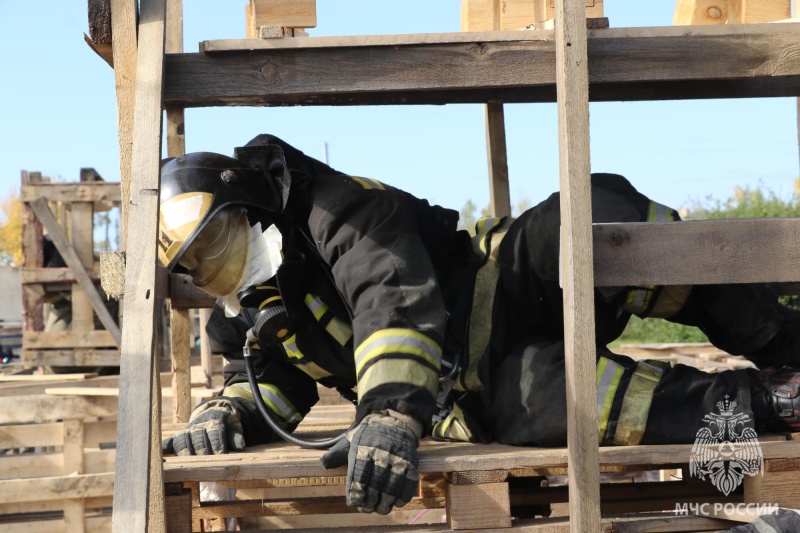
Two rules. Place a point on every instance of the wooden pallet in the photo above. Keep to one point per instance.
(281, 486)
(66, 211)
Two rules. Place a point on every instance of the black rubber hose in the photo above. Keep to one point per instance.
(262, 408)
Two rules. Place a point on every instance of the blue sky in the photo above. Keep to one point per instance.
(59, 114)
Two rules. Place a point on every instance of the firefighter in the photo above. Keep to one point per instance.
(357, 285)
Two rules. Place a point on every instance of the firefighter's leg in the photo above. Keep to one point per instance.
(638, 402)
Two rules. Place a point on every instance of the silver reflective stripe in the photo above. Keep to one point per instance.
(398, 341)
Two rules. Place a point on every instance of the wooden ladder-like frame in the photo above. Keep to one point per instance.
(627, 64)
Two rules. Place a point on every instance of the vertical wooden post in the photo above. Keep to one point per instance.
(74, 464)
(499, 196)
(179, 318)
(32, 257)
(205, 347)
(138, 486)
(82, 225)
(577, 277)
(796, 13)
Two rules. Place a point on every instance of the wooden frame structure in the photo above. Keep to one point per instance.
(72, 234)
(568, 65)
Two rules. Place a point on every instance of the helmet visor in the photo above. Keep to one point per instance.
(216, 256)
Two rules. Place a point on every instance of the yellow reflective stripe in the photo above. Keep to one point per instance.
(268, 300)
(316, 306)
(636, 403)
(290, 345)
(609, 375)
(660, 213)
(398, 341)
(638, 300)
(267, 287)
(398, 371)
(273, 397)
(338, 329)
(368, 183)
(313, 370)
(453, 427)
(300, 361)
(482, 228)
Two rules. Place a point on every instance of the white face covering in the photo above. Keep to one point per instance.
(263, 260)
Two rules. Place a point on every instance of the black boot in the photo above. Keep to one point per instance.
(783, 397)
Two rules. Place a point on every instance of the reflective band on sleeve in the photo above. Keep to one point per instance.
(300, 361)
(338, 329)
(396, 341)
(636, 403)
(369, 183)
(609, 374)
(273, 397)
(269, 301)
(398, 371)
(638, 300)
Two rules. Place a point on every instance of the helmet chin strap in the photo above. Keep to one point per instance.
(263, 259)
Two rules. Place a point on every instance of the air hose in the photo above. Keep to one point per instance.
(268, 417)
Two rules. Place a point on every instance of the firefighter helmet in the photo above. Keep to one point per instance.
(197, 187)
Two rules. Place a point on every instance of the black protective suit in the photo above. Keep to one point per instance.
(383, 294)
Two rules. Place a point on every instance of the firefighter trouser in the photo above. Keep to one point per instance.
(526, 391)
(644, 402)
(739, 319)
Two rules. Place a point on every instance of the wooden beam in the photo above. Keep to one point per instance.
(497, 156)
(54, 275)
(94, 191)
(186, 295)
(123, 39)
(138, 491)
(42, 408)
(708, 251)
(32, 257)
(74, 262)
(71, 357)
(572, 86)
(625, 64)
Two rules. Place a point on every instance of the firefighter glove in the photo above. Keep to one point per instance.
(214, 428)
(381, 458)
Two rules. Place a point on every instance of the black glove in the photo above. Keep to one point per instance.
(381, 458)
(213, 428)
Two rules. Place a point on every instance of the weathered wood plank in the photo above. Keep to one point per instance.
(34, 340)
(72, 357)
(42, 408)
(57, 487)
(138, 493)
(184, 294)
(709, 251)
(279, 461)
(572, 76)
(625, 64)
(499, 195)
(89, 191)
(54, 275)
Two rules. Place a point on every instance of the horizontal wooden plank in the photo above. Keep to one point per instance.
(32, 340)
(52, 505)
(184, 294)
(57, 487)
(71, 357)
(84, 191)
(697, 252)
(624, 64)
(195, 392)
(279, 461)
(30, 435)
(33, 465)
(93, 524)
(45, 377)
(43, 408)
(54, 275)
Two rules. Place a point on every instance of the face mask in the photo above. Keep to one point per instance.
(263, 260)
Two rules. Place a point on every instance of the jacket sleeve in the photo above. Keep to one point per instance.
(288, 392)
(372, 239)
